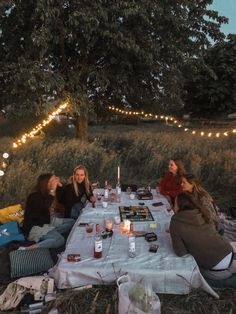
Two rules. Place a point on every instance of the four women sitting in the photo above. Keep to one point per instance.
(192, 227)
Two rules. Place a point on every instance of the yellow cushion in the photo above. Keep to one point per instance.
(12, 213)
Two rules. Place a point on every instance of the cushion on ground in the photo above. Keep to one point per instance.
(30, 262)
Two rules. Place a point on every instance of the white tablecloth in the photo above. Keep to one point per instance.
(167, 272)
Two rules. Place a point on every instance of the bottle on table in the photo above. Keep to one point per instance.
(118, 191)
(106, 190)
(131, 245)
(98, 247)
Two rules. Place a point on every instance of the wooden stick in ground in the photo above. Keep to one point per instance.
(93, 306)
(108, 309)
(115, 301)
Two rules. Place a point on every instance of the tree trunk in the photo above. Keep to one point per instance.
(82, 127)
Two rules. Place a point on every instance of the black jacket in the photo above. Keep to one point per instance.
(36, 211)
(66, 196)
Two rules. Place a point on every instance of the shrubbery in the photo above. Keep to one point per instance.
(143, 157)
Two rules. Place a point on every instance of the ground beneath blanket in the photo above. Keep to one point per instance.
(104, 300)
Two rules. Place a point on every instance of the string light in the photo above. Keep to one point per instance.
(174, 121)
(38, 128)
(5, 155)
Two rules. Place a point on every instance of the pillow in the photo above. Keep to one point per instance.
(12, 213)
(10, 232)
(29, 262)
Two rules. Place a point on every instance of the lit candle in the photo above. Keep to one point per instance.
(118, 173)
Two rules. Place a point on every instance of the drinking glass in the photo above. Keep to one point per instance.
(89, 228)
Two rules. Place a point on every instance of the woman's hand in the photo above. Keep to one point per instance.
(92, 199)
(53, 183)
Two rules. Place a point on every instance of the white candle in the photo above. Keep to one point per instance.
(118, 173)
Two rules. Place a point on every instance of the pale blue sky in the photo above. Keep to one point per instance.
(226, 8)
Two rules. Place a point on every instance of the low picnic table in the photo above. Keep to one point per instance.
(166, 272)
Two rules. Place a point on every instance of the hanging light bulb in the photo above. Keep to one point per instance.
(5, 155)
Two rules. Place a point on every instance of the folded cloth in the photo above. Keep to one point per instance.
(36, 232)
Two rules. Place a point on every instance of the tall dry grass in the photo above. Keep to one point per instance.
(142, 153)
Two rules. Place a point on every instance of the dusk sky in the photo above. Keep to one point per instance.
(226, 8)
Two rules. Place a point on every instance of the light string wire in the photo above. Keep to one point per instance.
(170, 119)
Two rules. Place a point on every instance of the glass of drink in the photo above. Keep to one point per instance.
(89, 228)
(108, 224)
(99, 196)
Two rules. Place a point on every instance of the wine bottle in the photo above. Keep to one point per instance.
(98, 247)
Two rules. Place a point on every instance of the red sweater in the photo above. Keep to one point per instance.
(170, 185)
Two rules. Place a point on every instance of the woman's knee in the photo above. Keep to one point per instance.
(52, 240)
(59, 241)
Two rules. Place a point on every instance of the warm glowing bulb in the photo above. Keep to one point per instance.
(202, 133)
(5, 155)
(14, 145)
(217, 134)
(1, 173)
(194, 132)
(209, 134)
(225, 134)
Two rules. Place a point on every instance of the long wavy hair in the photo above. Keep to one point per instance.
(42, 183)
(86, 180)
(186, 201)
(198, 189)
(180, 169)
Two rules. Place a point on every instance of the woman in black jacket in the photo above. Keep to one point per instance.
(37, 224)
(75, 194)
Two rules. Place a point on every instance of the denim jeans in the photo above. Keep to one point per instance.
(54, 238)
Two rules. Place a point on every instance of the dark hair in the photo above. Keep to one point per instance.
(186, 201)
(42, 183)
(180, 166)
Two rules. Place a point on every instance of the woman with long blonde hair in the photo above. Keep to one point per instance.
(75, 194)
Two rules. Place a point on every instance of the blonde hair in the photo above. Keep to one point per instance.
(86, 180)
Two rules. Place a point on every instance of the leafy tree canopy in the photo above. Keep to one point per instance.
(213, 90)
(99, 50)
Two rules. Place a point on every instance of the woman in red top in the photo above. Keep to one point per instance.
(170, 185)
